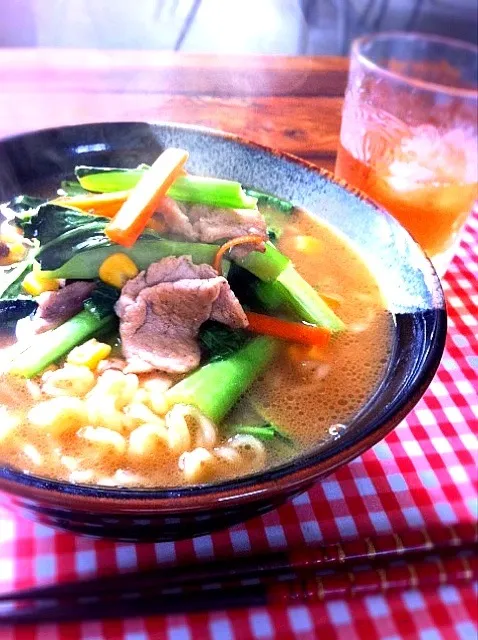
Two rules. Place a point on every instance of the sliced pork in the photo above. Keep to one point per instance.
(162, 309)
(56, 307)
(209, 224)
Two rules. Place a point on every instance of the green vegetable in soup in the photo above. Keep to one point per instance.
(80, 252)
(286, 283)
(266, 199)
(216, 387)
(299, 295)
(291, 291)
(268, 294)
(15, 303)
(23, 203)
(212, 192)
(266, 266)
(85, 253)
(96, 318)
(13, 310)
(11, 282)
(61, 232)
(219, 341)
(102, 300)
(73, 243)
(51, 221)
(85, 262)
(194, 189)
(267, 431)
(106, 179)
(58, 342)
(71, 189)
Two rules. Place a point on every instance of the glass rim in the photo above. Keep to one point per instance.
(357, 52)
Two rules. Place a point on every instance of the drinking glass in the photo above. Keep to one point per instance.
(409, 134)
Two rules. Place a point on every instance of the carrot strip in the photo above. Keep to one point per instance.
(106, 207)
(291, 331)
(144, 198)
(102, 204)
(234, 243)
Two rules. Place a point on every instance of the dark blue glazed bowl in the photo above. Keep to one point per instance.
(410, 286)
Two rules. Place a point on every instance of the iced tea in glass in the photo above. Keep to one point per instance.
(409, 135)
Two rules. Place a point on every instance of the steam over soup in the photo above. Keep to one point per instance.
(162, 329)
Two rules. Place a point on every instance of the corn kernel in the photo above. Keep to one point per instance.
(9, 233)
(89, 354)
(307, 244)
(34, 285)
(16, 252)
(117, 269)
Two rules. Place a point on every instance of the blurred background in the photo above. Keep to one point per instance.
(317, 27)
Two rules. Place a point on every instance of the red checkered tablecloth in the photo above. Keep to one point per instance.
(422, 474)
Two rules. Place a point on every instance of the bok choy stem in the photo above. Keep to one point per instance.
(272, 267)
(284, 283)
(84, 265)
(267, 265)
(211, 191)
(215, 388)
(54, 344)
(305, 301)
(195, 189)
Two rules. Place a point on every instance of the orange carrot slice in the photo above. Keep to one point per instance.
(144, 198)
(291, 331)
(106, 207)
(233, 243)
(102, 204)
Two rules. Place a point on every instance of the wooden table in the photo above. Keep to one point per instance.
(290, 103)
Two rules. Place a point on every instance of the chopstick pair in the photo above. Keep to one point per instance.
(277, 578)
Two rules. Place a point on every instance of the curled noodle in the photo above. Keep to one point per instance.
(188, 428)
(241, 455)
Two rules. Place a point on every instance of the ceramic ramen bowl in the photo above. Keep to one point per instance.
(409, 285)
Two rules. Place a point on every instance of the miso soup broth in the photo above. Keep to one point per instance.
(92, 416)
(309, 393)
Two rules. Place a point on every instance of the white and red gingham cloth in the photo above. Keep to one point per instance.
(422, 474)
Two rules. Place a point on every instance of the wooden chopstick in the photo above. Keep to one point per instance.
(430, 572)
(382, 547)
(386, 547)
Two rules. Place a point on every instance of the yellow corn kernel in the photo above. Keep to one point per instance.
(117, 269)
(10, 233)
(307, 244)
(34, 285)
(89, 354)
(16, 252)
